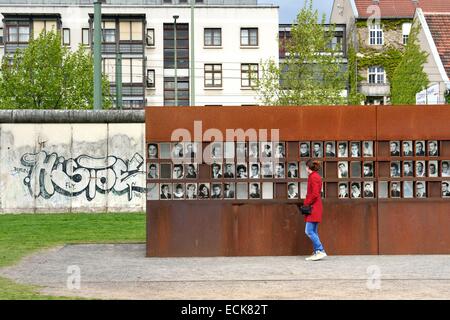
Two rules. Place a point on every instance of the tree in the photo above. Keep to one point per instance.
(313, 72)
(47, 75)
(409, 77)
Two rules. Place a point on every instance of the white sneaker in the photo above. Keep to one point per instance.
(318, 256)
(311, 257)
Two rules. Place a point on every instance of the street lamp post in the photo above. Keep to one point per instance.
(192, 55)
(175, 17)
(98, 99)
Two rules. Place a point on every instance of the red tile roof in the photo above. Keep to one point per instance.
(401, 8)
(439, 28)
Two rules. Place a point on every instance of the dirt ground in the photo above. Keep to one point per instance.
(123, 272)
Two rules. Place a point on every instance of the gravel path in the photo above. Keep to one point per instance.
(123, 272)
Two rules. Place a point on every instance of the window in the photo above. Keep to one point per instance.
(66, 37)
(183, 91)
(108, 31)
(132, 70)
(18, 33)
(109, 69)
(376, 35)
(213, 75)
(150, 38)
(131, 31)
(376, 75)
(150, 78)
(1, 35)
(249, 36)
(182, 46)
(85, 36)
(406, 30)
(249, 75)
(45, 26)
(213, 37)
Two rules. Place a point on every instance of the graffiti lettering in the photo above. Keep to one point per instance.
(50, 173)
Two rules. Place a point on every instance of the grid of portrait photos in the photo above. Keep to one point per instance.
(415, 170)
(277, 170)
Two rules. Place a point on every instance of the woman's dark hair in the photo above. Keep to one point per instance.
(313, 165)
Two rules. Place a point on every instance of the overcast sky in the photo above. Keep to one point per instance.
(290, 8)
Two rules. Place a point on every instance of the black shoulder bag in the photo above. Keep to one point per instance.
(305, 210)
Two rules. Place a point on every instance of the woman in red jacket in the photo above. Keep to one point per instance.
(314, 199)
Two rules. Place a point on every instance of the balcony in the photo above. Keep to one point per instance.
(375, 89)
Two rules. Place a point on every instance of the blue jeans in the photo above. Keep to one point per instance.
(311, 232)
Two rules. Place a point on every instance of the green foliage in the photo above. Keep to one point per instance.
(354, 97)
(313, 71)
(447, 96)
(47, 75)
(389, 58)
(409, 77)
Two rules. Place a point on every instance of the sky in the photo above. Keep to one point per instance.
(290, 8)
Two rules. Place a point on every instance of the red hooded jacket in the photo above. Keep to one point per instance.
(314, 198)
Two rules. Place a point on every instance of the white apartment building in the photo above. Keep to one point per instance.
(231, 39)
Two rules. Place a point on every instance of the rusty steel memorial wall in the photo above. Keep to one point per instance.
(225, 181)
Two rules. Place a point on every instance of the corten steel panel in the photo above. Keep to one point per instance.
(294, 123)
(414, 227)
(413, 122)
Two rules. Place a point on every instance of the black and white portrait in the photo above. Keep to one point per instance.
(153, 151)
(254, 170)
(445, 169)
(446, 189)
(253, 152)
(421, 169)
(407, 149)
(267, 170)
(343, 190)
(177, 150)
(216, 149)
(292, 190)
(395, 169)
(216, 191)
(420, 148)
(394, 148)
(395, 190)
(241, 171)
(355, 190)
(355, 149)
(241, 151)
(191, 170)
(191, 191)
(342, 169)
(229, 171)
(433, 148)
(368, 191)
(368, 149)
(152, 172)
(178, 191)
(255, 190)
(280, 150)
(216, 170)
(178, 171)
(317, 151)
(292, 170)
(433, 169)
(421, 189)
(408, 189)
(229, 190)
(342, 149)
(408, 170)
(166, 191)
(191, 149)
(204, 191)
(279, 170)
(266, 150)
(305, 149)
(368, 169)
(330, 149)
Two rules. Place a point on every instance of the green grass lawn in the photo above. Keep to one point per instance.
(21, 235)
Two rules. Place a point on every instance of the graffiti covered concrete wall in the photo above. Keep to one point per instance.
(72, 167)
